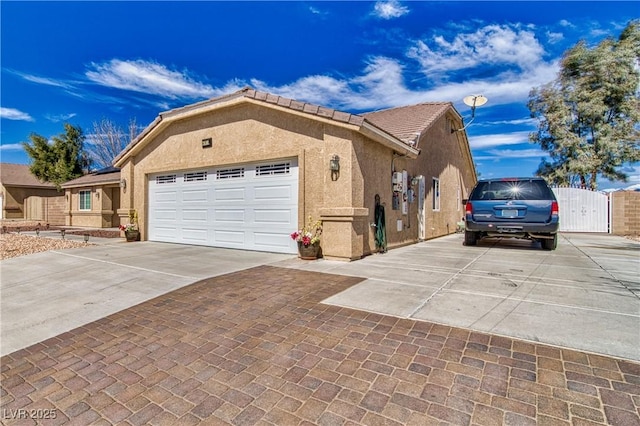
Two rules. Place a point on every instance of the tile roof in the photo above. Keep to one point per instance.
(20, 175)
(269, 98)
(95, 179)
(407, 122)
(400, 124)
(308, 108)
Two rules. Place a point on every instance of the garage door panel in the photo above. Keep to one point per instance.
(195, 235)
(190, 215)
(165, 214)
(166, 196)
(252, 207)
(273, 193)
(271, 240)
(194, 196)
(166, 233)
(229, 237)
(229, 194)
(270, 216)
(234, 216)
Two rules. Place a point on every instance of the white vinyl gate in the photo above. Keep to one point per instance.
(582, 210)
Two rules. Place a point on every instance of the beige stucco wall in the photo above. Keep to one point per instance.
(13, 198)
(249, 133)
(104, 205)
(444, 156)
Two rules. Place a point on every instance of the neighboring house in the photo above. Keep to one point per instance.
(93, 200)
(24, 197)
(247, 169)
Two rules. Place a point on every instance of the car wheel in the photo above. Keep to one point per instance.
(550, 244)
(470, 238)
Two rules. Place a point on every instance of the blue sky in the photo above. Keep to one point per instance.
(80, 62)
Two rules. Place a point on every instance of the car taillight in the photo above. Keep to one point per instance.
(468, 208)
(554, 208)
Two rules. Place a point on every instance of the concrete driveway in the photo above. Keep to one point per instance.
(48, 293)
(584, 295)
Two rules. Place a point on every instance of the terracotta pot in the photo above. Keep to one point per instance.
(309, 252)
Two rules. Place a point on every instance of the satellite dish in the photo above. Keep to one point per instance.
(472, 101)
(475, 100)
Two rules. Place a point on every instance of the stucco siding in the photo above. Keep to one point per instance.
(14, 199)
(245, 133)
(242, 134)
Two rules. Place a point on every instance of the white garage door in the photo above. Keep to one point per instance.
(252, 207)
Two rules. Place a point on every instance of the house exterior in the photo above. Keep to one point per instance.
(24, 197)
(247, 169)
(93, 200)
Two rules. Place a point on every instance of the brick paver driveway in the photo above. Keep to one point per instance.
(257, 347)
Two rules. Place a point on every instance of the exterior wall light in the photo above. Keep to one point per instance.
(123, 183)
(334, 166)
(334, 163)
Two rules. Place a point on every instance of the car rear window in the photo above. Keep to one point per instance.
(512, 190)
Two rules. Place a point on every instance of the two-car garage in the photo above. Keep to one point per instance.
(244, 206)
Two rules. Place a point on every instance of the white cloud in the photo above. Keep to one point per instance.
(489, 45)
(565, 23)
(14, 114)
(11, 147)
(518, 153)
(389, 9)
(148, 77)
(487, 141)
(60, 117)
(554, 37)
(45, 81)
(514, 122)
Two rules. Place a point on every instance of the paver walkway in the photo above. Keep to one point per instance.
(257, 347)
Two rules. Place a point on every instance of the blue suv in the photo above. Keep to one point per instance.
(512, 208)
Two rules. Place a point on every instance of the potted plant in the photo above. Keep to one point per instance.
(308, 239)
(131, 231)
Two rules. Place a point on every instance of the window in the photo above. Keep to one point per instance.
(230, 173)
(273, 169)
(195, 176)
(165, 179)
(435, 190)
(85, 200)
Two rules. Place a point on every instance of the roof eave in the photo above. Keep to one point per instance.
(90, 184)
(385, 139)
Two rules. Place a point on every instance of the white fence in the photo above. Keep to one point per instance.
(582, 210)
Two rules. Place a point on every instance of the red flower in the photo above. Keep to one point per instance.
(306, 240)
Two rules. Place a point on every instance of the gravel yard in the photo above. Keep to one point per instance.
(14, 245)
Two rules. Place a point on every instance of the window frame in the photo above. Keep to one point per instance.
(435, 194)
(84, 195)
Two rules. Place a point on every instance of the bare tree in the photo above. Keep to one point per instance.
(108, 140)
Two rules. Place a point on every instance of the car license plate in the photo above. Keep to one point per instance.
(509, 213)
